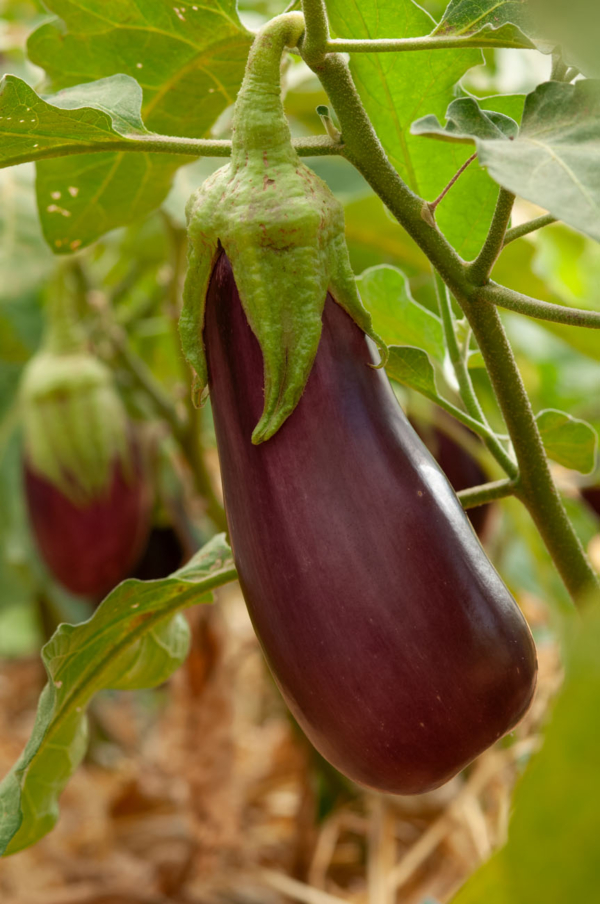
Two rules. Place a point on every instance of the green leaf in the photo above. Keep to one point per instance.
(135, 639)
(554, 161)
(568, 440)
(189, 61)
(103, 111)
(493, 22)
(552, 851)
(412, 367)
(465, 122)
(77, 200)
(397, 317)
(396, 89)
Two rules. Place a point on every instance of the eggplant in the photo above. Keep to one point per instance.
(91, 546)
(462, 470)
(393, 640)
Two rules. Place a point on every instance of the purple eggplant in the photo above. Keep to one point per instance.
(459, 466)
(592, 497)
(393, 640)
(90, 548)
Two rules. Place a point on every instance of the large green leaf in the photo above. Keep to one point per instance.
(553, 161)
(135, 639)
(189, 61)
(552, 851)
(397, 317)
(398, 88)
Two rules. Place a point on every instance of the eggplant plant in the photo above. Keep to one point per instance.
(396, 644)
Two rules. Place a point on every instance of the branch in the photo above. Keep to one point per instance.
(481, 267)
(311, 146)
(532, 307)
(487, 492)
(467, 391)
(427, 42)
(316, 35)
(536, 488)
(530, 226)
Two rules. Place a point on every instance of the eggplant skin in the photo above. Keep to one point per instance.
(461, 469)
(393, 640)
(90, 549)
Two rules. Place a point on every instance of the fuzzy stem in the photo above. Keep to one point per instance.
(487, 492)
(63, 335)
(316, 38)
(259, 123)
(530, 226)
(310, 146)
(427, 42)
(533, 307)
(480, 269)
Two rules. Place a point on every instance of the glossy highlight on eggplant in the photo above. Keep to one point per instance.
(393, 640)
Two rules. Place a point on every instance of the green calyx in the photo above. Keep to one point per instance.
(74, 423)
(283, 232)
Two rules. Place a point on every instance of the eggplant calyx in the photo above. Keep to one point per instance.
(283, 232)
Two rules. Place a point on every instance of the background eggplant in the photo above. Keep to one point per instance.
(392, 638)
(92, 546)
(592, 497)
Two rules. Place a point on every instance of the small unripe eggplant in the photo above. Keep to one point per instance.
(87, 491)
(393, 640)
(90, 546)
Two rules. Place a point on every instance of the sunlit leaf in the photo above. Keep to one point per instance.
(398, 88)
(397, 317)
(412, 367)
(189, 61)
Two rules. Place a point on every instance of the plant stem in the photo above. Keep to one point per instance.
(480, 269)
(428, 42)
(487, 492)
(311, 146)
(316, 35)
(467, 390)
(530, 226)
(362, 148)
(533, 307)
(536, 488)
